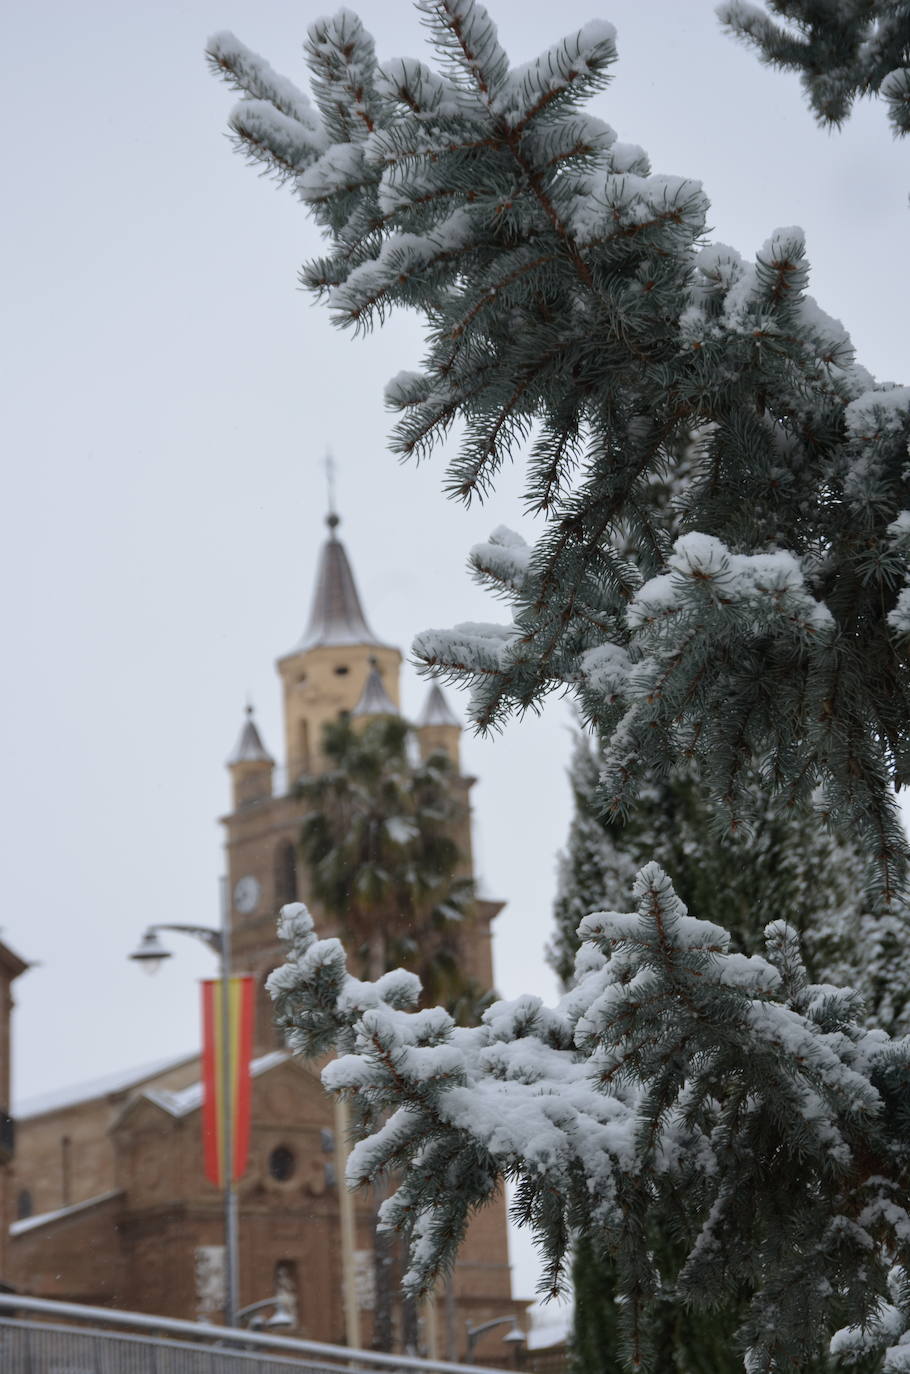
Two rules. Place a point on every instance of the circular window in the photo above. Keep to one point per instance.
(341, 670)
(282, 1163)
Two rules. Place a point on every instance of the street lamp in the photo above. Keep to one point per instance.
(280, 1320)
(475, 1332)
(151, 953)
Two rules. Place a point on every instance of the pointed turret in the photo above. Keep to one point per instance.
(325, 675)
(438, 727)
(251, 765)
(336, 615)
(374, 699)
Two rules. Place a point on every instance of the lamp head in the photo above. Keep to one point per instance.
(151, 953)
(281, 1319)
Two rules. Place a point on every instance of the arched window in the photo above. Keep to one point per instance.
(282, 1163)
(285, 873)
(24, 1205)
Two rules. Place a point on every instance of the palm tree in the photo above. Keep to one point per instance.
(378, 841)
(383, 862)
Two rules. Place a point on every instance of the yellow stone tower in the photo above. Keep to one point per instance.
(339, 665)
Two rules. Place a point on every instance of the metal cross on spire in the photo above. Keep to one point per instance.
(329, 462)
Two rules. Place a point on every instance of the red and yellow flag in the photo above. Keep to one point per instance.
(239, 1046)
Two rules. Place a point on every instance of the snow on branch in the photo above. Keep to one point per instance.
(466, 38)
(842, 51)
(252, 75)
(671, 1061)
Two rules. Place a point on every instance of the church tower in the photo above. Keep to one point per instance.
(340, 665)
(125, 1215)
(327, 672)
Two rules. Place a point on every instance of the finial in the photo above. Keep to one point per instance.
(332, 519)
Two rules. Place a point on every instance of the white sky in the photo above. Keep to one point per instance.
(169, 395)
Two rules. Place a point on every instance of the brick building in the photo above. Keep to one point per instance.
(11, 966)
(113, 1206)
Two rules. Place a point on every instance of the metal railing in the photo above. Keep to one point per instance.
(38, 1336)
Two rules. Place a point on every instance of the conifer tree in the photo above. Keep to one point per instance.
(596, 869)
(786, 862)
(843, 51)
(572, 306)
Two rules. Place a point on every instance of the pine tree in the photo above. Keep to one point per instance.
(572, 305)
(723, 1097)
(595, 1339)
(594, 870)
(843, 51)
(786, 862)
(789, 864)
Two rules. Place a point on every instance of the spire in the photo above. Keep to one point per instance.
(336, 616)
(436, 710)
(249, 747)
(374, 699)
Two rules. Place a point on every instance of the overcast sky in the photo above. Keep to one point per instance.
(170, 394)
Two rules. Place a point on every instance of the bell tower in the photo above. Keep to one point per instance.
(341, 666)
(328, 670)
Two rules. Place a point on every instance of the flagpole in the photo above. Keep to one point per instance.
(227, 1119)
(220, 1163)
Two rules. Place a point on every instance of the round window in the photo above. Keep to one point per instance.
(282, 1163)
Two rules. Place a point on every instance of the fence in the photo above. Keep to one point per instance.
(38, 1336)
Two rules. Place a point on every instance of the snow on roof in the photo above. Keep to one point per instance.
(75, 1093)
(549, 1327)
(249, 747)
(436, 710)
(182, 1101)
(30, 1223)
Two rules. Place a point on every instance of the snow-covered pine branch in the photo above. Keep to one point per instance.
(843, 51)
(663, 1083)
(572, 306)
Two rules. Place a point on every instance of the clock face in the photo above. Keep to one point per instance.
(246, 894)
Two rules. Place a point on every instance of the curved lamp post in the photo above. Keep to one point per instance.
(280, 1320)
(475, 1332)
(151, 954)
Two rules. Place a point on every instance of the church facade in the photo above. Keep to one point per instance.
(113, 1205)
